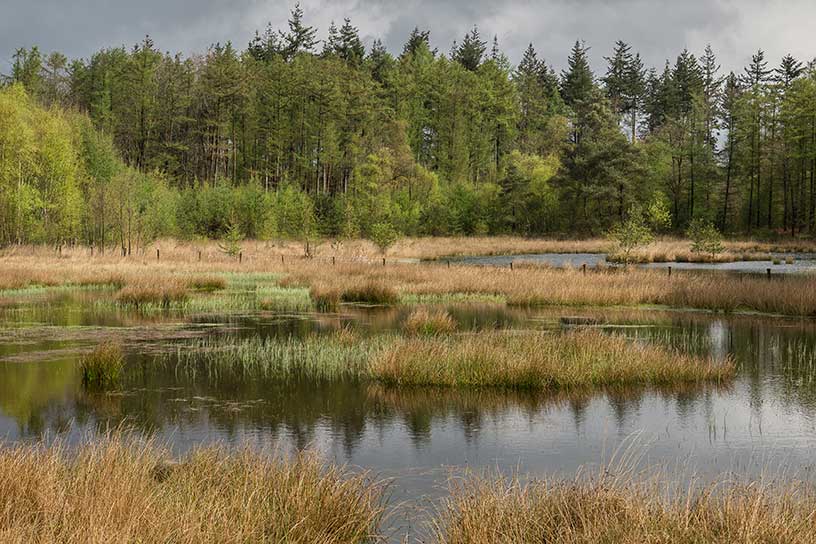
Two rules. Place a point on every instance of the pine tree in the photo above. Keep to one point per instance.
(300, 38)
(577, 81)
(350, 48)
(469, 54)
(415, 40)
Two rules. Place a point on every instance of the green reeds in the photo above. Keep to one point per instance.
(161, 294)
(102, 367)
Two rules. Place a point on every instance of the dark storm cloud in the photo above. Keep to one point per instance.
(660, 29)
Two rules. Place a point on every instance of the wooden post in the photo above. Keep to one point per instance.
(383, 261)
(768, 270)
(199, 255)
(281, 259)
(583, 268)
(91, 250)
(448, 264)
(511, 265)
(157, 254)
(332, 261)
(670, 271)
(240, 257)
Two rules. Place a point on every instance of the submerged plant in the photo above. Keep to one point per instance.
(102, 367)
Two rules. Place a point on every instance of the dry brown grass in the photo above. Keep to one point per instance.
(665, 249)
(118, 491)
(539, 360)
(427, 321)
(153, 293)
(530, 286)
(626, 509)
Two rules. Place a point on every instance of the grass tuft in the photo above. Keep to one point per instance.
(371, 293)
(162, 294)
(102, 367)
(208, 283)
(325, 299)
(423, 321)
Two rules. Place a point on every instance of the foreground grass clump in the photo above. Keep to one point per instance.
(539, 361)
(102, 367)
(626, 509)
(121, 491)
(424, 321)
(162, 294)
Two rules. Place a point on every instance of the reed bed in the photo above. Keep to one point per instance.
(624, 508)
(528, 360)
(162, 294)
(338, 356)
(118, 490)
(541, 361)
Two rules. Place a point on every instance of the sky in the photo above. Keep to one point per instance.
(658, 29)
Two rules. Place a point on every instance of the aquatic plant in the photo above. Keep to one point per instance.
(370, 293)
(424, 321)
(325, 299)
(539, 360)
(162, 294)
(102, 367)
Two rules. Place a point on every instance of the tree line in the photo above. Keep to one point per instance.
(296, 137)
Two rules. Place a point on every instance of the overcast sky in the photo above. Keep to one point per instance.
(659, 29)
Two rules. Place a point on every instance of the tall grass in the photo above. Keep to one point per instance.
(119, 490)
(102, 367)
(371, 292)
(623, 508)
(566, 361)
(162, 294)
(338, 356)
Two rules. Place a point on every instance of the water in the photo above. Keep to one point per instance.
(803, 263)
(765, 418)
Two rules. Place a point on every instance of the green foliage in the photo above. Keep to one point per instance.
(705, 238)
(102, 367)
(384, 236)
(231, 241)
(658, 214)
(631, 234)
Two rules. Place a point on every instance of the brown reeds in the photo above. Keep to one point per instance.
(120, 491)
(624, 508)
(539, 360)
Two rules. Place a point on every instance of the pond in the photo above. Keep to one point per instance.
(419, 437)
(803, 262)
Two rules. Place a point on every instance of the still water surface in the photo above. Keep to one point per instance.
(765, 418)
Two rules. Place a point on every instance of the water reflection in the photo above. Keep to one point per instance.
(767, 412)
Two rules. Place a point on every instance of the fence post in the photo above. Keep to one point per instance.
(332, 261)
(511, 265)
(157, 254)
(281, 259)
(768, 270)
(583, 268)
(199, 255)
(670, 271)
(448, 264)
(240, 257)
(383, 261)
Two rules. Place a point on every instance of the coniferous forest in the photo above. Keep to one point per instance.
(294, 137)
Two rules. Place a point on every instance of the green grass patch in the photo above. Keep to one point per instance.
(102, 367)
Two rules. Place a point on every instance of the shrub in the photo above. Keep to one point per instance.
(705, 238)
(384, 236)
(631, 234)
